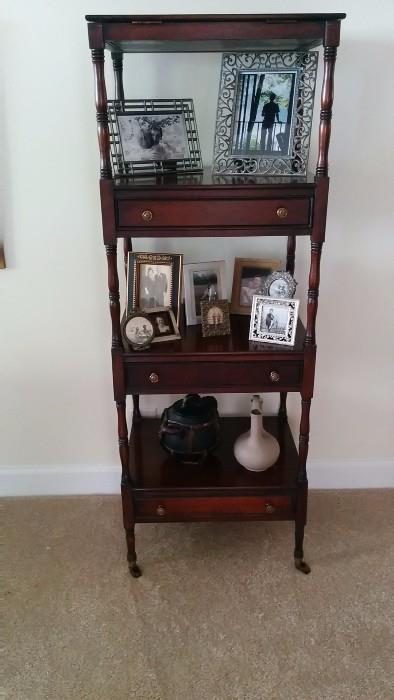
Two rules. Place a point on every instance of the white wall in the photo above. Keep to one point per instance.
(56, 410)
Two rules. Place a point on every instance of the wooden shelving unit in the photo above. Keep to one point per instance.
(154, 486)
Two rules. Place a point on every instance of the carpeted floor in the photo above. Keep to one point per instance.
(220, 613)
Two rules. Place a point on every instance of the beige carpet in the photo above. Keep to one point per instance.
(219, 613)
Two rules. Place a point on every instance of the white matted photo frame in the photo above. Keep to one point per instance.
(248, 279)
(203, 282)
(153, 136)
(264, 113)
(154, 280)
(273, 320)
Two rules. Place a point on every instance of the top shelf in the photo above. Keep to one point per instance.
(207, 33)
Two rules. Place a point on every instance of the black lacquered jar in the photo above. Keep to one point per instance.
(190, 427)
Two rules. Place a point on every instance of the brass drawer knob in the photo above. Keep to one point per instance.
(274, 376)
(153, 378)
(161, 510)
(269, 508)
(147, 215)
(281, 212)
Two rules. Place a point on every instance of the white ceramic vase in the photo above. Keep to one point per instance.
(256, 449)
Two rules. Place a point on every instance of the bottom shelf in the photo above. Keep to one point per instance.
(155, 473)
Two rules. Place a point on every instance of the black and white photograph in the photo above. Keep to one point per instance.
(280, 285)
(273, 320)
(215, 317)
(164, 323)
(155, 285)
(155, 136)
(154, 280)
(203, 282)
(138, 330)
(249, 279)
(264, 114)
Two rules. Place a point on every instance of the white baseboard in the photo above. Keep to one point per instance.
(82, 480)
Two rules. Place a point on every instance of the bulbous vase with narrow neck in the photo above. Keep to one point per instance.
(256, 450)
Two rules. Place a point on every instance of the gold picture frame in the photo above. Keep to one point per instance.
(248, 279)
(215, 318)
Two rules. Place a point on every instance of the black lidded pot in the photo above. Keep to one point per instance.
(189, 428)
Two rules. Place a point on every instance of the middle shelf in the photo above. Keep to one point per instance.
(222, 363)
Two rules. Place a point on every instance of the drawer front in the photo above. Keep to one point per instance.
(211, 507)
(152, 214)
(159, 377)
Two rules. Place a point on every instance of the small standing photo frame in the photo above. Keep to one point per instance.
(215, 318)
(153, 136)
(203, 282)
(249, 279)
(280, 284)
(164, 324)
(273, 320)
(138, 330)
(154, 280)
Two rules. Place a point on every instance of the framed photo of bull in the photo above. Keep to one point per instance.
(153, 136)
(264, 114)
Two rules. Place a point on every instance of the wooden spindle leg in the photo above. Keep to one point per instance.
(290, 263)
(302, 488)
(117, 63)
(101, 113)
(327, 98)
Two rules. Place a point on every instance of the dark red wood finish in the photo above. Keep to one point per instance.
(155, 486)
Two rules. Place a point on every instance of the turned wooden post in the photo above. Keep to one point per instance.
(101, 113)
(290, 264)
(117, 62)
(113, 287)
(331, 41)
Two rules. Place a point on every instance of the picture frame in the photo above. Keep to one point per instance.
(273, 320)
(280, 284)
(153, 137)
(138, 330)
(154, 280)
(164, 323)
(264, 113)
(215, 318)
(248, 279)
(203, 281)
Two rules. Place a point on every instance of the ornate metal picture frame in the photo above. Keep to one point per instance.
(215, 318)
(264, 113)
(153, 137)
(280, 284)
(274, 320)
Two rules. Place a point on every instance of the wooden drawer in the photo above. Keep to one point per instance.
(160, 377)
(151, 214)
(212, 507)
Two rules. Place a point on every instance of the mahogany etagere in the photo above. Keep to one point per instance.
(154, 486)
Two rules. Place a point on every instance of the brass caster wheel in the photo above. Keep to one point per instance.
(135, 570)
(301, 565)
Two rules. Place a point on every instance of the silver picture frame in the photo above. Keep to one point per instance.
(280, 284)
(273, 320)
(264, 113)
(203, 281)
(171, 147)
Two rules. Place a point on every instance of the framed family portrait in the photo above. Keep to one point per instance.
(215, 318)
(164, 324)
(280, 284)
(273, 320)
(249, 278)
(264, 114)
(203, 282)
(153, 136)
(154, 280)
